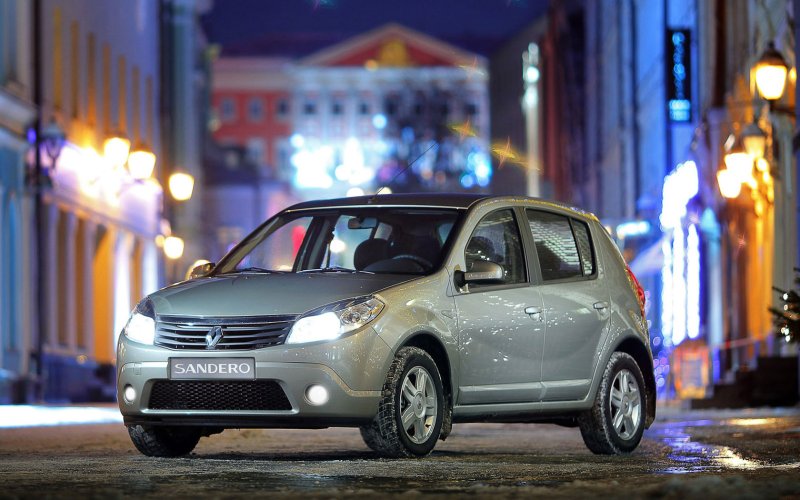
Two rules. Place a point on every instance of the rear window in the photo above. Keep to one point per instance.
(563, 245)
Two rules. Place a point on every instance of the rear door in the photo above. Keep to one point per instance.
(576, 304)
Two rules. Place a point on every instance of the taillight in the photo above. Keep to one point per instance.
(636, 288)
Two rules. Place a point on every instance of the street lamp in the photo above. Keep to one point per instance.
(771, 70)
(755, 141)
(141, 162)
(181, 186)
(173, 247)
(738, 162)
(53, 139)
(116, 149)
(729, 184)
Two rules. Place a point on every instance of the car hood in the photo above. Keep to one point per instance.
(266, 294)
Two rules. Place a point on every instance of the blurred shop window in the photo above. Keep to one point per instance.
(255, 151)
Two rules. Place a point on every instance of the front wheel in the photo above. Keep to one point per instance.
(161, 441)
(615, 423)
(409, 419)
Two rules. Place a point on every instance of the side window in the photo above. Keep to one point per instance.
(557, 248)
(584, 246)
(497, 239)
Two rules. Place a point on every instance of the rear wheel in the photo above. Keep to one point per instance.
(164, 441)
(615, 423)
(409, 419)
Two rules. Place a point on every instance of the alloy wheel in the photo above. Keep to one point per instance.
(626, 404)
(418, 405)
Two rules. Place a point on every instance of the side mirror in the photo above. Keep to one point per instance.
(201, 271)
(485, 272)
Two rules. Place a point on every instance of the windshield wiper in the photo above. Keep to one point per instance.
(254, 269)
(334, 269)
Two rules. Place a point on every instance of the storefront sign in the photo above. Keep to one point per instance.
(678, 73)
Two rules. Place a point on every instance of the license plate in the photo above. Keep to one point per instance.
(212, 368)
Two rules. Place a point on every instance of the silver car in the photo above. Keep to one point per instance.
(400, 315)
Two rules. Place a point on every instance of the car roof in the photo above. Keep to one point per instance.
(443, 200)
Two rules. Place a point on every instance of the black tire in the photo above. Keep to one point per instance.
(597, 426)
(386, 434)
(164, 441)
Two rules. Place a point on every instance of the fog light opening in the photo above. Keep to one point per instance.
(129, 394)
(317, 395)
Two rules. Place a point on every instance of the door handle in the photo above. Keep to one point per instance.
(600, 305)
(534, 312)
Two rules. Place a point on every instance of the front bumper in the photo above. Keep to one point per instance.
(351, 369)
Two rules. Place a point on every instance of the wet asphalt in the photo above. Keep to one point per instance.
(713, 454)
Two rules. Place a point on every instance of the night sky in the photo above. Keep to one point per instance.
(299, 27)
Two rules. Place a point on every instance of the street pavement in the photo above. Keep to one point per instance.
(712, 454)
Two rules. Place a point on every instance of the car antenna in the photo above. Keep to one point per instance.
(391, 182)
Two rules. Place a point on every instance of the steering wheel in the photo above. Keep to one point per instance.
(424, 263)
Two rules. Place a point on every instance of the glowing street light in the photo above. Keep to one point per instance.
(116, 149)
(729, 184)
(141, 163)
(771, 70)
(173, 247)
(737, 160)
(755, 141)
(181, 186)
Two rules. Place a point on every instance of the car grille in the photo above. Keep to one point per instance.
(218, 395)
(238, 333)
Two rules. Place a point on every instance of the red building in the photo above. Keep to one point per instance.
(346, 118)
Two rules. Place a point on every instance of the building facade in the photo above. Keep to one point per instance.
(17, 112)
(669, 87)
(349, 119)
(99, 81)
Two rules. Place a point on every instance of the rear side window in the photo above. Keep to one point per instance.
(563, 245)
(584, 246)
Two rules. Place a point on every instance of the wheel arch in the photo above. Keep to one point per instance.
(433, 346)
(638, 351)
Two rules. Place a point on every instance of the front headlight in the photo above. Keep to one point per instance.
(333, 321)
(141, 325)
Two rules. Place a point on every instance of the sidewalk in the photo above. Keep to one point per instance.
(676, 409)
(15, 416)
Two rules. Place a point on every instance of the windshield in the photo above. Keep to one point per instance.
(346, 240)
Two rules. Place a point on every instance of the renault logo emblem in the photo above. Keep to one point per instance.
(213, 337)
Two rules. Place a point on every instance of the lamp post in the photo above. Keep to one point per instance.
(771, 70)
